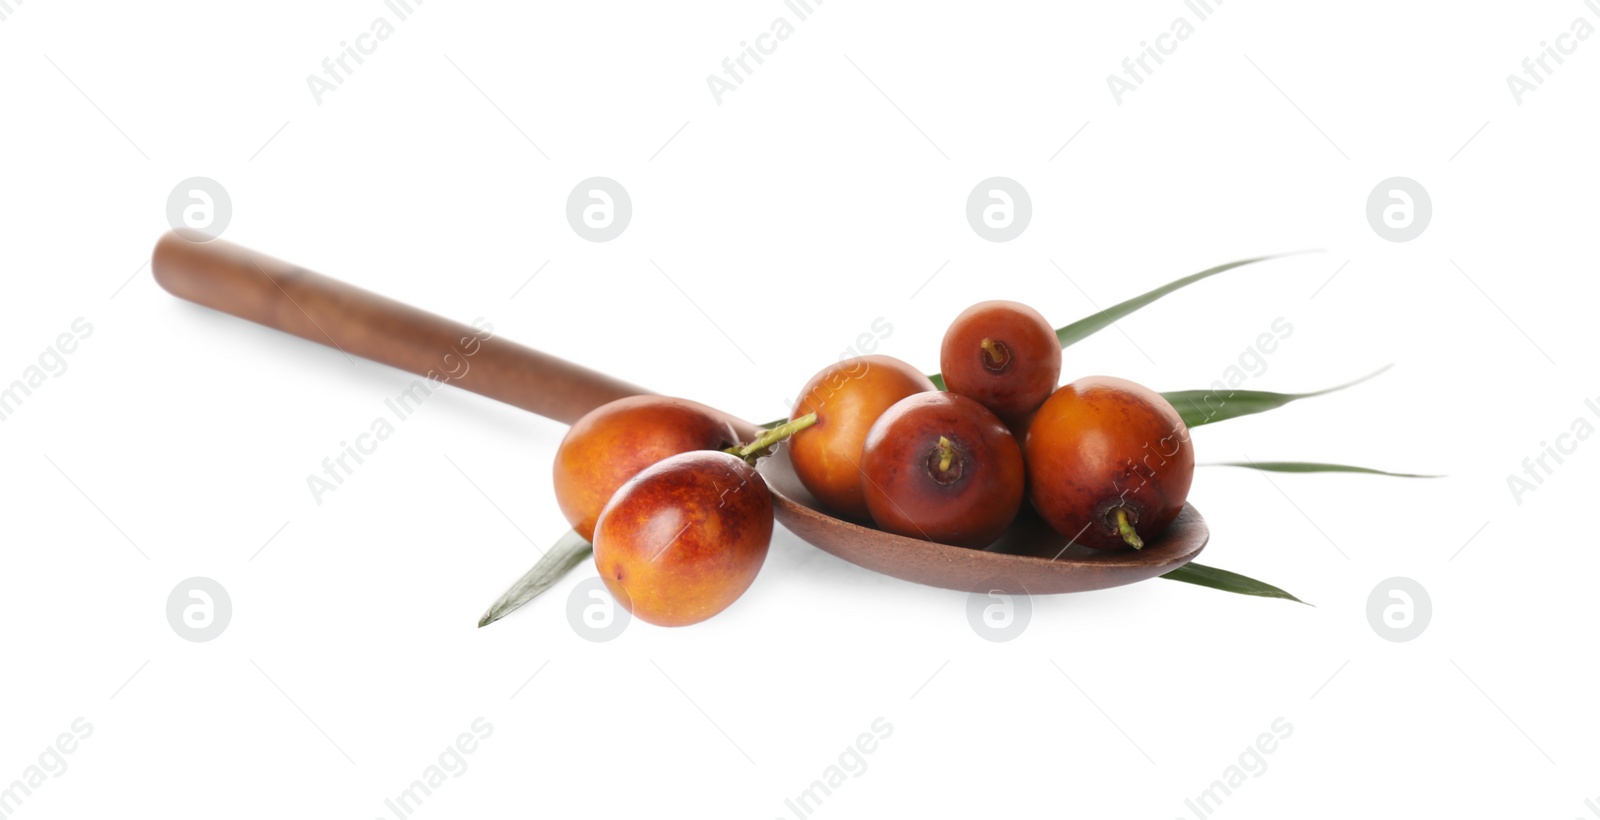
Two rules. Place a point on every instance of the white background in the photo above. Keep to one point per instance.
(824, 193)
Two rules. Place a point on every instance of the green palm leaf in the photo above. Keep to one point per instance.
(1199, 407)
(1227, 582)
(1089, 325)
(1312, 467)
(567, 552)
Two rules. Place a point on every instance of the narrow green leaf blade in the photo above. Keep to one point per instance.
(1226, 581)
(1089, 325)
(1312, 467)
(567, 552)
(1199, 407)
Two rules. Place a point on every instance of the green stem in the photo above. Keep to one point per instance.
(770, 438)
(1126, 530)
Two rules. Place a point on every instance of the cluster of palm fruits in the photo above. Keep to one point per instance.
(679, 518)
(681, 521)
(1104, 461)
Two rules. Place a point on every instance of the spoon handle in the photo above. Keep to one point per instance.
(285, 297)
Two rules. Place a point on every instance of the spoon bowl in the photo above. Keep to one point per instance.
(1029, 558)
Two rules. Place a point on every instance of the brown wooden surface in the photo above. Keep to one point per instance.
(1029, 558)
(289, 298)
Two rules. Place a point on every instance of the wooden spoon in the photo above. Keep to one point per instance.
(1029, 558)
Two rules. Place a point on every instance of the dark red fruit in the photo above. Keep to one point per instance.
(942, 468)
(615, 441)
(1003, 355)
(847, 398)
(1109, 462)
(684, 539)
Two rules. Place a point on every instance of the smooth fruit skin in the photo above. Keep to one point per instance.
(847, 398)
(1029, 352)
(685, 538)
(1103, 442)
(617, 440)
(969, 504)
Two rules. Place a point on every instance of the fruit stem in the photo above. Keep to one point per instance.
(770, 438)
(995, 355)
(1125, 529)
(946, 454)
